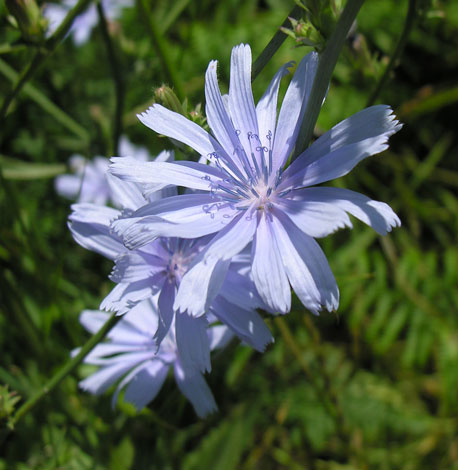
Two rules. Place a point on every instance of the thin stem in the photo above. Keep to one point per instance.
(42, 54)
(66, 370)
(273, 45)
(409, 21)
(324, 71)
(117, 78)
(161, 47)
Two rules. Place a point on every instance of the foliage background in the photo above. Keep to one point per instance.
(374, 386)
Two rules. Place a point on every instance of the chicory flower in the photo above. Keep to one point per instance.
(249, 194)
(156, 270)
(131, 358)
(89, 181)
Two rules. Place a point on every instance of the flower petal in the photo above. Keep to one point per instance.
(165, 310)
(123, 333)
(125, 194)
(158, 175)
(292, 110)
(266, 109)
(219, 336)
(376, 214)
(217, 116)
(143, 383)
(136, 266)
(316, 218)
(240, 290)
(125, 296)
(241, 102)
(186, 216)
(203, 280)
(339, 150)
(176, 126)
(246, 324)
(192, 343)
(90, 227)
(268, 273)
(98, 382)
(306, 266)
(196, 390)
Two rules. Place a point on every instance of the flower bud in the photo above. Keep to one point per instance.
(28, 18)
(165, 95)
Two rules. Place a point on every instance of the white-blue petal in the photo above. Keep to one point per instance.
(376, 214)
(176, 126)
(314, 217)
(241, 102)
(292, 110)
(158, 175)
(202, 282)
(165, 310)
(143, 383)
(192, 343)
(268, 273)
(196, 390)
(246, 324)
(266, 109)
(102, 379)
(306, 265)
(338, 151)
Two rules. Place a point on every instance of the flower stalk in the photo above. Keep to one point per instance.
(42, 54)
(66, 370)
(409, 21)
(326, 65)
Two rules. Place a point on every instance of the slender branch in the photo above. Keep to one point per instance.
(42, 54)
(273, 45)
(117, 78)
(66, 370)
(160, 44)
(409, 21)
(324, 71)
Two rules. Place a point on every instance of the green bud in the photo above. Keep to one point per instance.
(28, 18)
(166, 96)
(317, 23)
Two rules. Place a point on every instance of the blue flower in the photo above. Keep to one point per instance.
(86, 21)
(90, 181)
(131, 354)
(249, 194)
(156, 269)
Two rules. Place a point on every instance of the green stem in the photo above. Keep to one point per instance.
(66, 370)
(8, 48)
(324, 71)
(45, 103)
(42, 54)
(409, 21)
(161, 47)
(117, 78)
(273, 45)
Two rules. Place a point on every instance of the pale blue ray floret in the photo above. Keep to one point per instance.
(131, 359)
(156, 270)
(89, 181)
(83, 24)
(247, 193)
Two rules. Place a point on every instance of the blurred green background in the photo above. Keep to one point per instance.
(374, 386)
